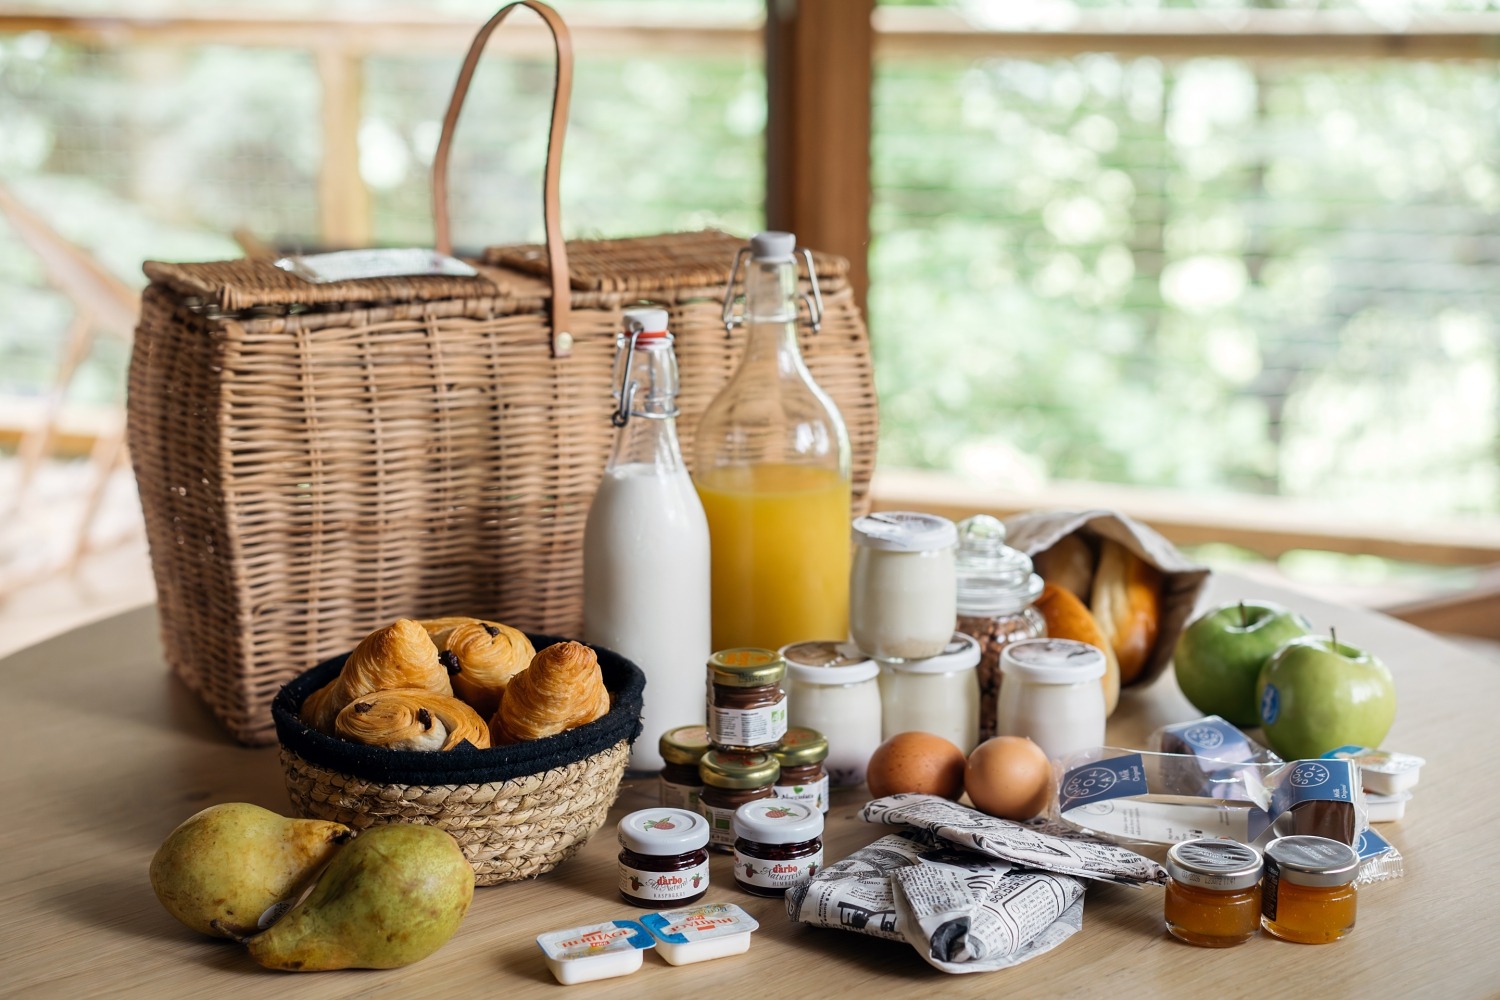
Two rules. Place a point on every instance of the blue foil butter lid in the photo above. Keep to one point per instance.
(699, 923)
(594, 940)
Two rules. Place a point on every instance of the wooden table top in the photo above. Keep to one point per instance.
(105, 753)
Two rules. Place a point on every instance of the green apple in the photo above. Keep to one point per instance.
(1317, 693)
(1220, 654)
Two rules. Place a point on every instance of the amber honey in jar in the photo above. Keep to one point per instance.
(1213, 892)
(746, 702)
(730, 779)
(681, 749)
(1307, 894)
(778, 844)
(801, 753)
(662, 860)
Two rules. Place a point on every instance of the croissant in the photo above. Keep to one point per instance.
(396, 656)
(481, 658)
(561, 689)
(411, 719)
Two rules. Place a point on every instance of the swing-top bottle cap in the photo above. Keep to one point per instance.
(773, 246)
(649, 323)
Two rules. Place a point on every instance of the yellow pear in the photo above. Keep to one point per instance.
(393, 896)
(225, 866)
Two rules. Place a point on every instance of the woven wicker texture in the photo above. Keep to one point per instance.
(310, 470)
(508, 830)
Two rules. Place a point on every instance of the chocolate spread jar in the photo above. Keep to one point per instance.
(801, 753)
(681, 749)
(746, 702)
(731, 779)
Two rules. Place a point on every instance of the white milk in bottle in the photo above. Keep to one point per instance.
(645, 547)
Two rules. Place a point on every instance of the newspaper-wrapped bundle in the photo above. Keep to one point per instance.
(962, 911)
(1021, 844)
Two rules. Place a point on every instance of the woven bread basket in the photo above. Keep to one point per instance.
(516, 811)
(314, 457)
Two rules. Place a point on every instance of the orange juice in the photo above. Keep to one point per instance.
(779, 538)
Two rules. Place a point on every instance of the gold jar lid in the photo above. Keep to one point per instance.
(801, 746)
(746, 667)
(683, 745)
(732, 769)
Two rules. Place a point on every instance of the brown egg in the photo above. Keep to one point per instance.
(916, 762)
(1009, 777)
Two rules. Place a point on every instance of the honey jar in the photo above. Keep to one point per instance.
(1213, 892)
(1307, 894)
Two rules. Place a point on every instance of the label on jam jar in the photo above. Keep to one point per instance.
(776, 874)
(814, 793)
(675, 796)
(748, 727)
(720, 824)
(665, 886)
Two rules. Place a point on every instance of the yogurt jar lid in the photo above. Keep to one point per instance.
(683, 745)
(663, 832)
(777, 821)
(1214, 863)
(904, 531)
(1052, 661)
(828, 663)
(961, 653)
(746, 666)
(1315, 861)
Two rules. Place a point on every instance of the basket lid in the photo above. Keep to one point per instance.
(646, 263)
(233, 285)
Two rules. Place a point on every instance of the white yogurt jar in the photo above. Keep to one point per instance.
(1052, 694)
(939, 694)
(833, 688)
(903, 590)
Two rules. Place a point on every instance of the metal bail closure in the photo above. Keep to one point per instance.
(626, 392)
(814, 299)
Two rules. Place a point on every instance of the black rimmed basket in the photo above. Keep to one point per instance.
(516, 811)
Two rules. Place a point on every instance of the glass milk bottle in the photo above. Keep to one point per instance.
(645, 546)
(996, 590)
(771, 462)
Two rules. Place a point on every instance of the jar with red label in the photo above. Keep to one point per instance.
(778, 844)
(663, 857)
(731, 779)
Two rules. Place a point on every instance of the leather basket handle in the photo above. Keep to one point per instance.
(557, 252)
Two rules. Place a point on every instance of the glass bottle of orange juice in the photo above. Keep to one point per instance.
(772, 469)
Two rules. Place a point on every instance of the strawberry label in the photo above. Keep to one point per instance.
(663, 886)
(776, 874)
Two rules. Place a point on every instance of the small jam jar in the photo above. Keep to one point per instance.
(801, 753)
(1308, 893)
(663, 861)
(1213, 893)
(731, 779)
(746, 702)
(778, 843)
(681, 749)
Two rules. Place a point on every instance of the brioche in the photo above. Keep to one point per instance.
(411, 719)
(1069, 563)
(400, 655)
(561, 689)
(1127, 605)
(1067, 618)
(481, 658)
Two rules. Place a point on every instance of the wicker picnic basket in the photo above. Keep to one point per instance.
(315, 460)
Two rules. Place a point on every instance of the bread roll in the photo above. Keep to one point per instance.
(1127, 604)
(411, 719)
(563, 688)
(1067, 618)
(400, 655)
(1069, 563)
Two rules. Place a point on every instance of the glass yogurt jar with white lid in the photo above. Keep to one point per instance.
(833, 688)
(1052, 694)
(903, 590)
(938, 694)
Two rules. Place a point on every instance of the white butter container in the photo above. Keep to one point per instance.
(700, 933)
(1386, 808)
(1383, 772)
(598, 951)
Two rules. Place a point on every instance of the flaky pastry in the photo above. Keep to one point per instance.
(401, 655)
(411, 719)
(481, 657)
(561, 689)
